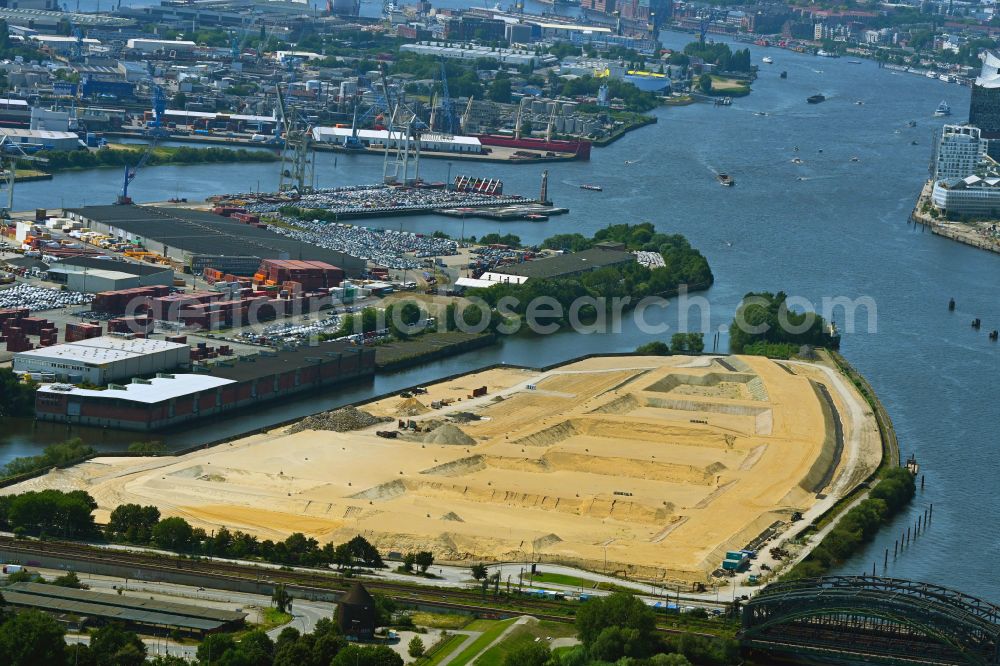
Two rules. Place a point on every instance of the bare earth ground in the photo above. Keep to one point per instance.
(654, 465)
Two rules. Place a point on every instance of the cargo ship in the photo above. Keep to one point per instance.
(578, 147)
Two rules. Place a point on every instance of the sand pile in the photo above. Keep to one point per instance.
(448, 434)
(411, 407)
(339, 420)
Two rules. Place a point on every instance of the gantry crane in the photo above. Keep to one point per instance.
(10, 154)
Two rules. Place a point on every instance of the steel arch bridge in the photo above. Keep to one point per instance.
(871, 620)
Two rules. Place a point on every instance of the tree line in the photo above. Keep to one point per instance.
(62, 160)
(55, 513)
(894, 491)
(142, 525)
(720, 55)
(53, 455)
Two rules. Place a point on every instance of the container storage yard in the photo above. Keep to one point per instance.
(649, 466)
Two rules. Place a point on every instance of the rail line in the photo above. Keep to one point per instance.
(468, 601)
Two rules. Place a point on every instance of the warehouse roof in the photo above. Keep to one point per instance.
(38, 134)
(103, 350)
(96, 273)
(125, 608)
(150, 391)
(113, 265)
(568, 264)
(267, 363)
(202, 233)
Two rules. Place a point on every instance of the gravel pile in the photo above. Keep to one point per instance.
(339, 420)
(448, 434)
(411, 407)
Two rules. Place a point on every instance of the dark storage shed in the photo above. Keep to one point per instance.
(356, 613)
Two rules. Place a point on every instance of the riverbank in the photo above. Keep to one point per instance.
(497, 154)
(614, 136)
(983, 234)
(118, 155)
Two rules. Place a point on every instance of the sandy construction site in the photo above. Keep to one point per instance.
(651, 465)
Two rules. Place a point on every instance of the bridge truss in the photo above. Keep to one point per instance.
(871, 620)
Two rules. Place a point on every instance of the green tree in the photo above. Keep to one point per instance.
(173, 534)
(705, 83)
(280, 598)
(356, 655)
(500, 90)
(424, 560)
(112, 645)
(180, 100)
(32, 638)
(17, 398)
(655, 348)
(214, 648)
(415, 648)
(257, 649)
(68, 579)
(479, 571)
(527, 654)
(620, 610)
(132, 523)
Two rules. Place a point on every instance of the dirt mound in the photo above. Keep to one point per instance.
(448, 434)
(451, 515)
(411, 407)
(339, 420)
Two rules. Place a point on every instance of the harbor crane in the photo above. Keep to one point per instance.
(10, 154)
(132, 171)
(447, 106)
(295, 162)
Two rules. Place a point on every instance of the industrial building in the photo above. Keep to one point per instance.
(603, 255)
(90, 275)
(99, 361)
(199, 239)
(160, 46)
(227, 385)
(42, 139)
(513, 57)
(136, 613)
(378, 138)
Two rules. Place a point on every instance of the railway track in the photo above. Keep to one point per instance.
(464, 600)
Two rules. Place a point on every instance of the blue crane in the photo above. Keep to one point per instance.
(132, 172)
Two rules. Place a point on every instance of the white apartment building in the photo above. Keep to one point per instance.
(960, 151)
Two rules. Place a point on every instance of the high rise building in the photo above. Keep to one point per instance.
(960, 150)
(984, 110)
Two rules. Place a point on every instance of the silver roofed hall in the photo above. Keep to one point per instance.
(102, 360)
(199, 239)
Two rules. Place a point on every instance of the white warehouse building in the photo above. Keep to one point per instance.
(378, 138)
(102, 360)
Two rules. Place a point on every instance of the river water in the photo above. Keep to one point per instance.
(830, 227)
